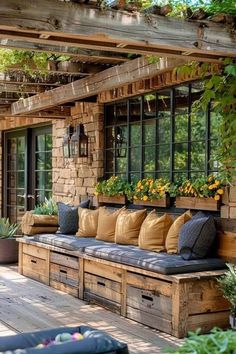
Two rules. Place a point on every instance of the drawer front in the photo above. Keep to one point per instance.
(65, 275)
(64, 287)
(64, 260)
(35, 251)
(149, 308)
(102, 291)
(35, 268)
(107, 271)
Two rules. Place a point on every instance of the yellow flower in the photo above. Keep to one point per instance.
(139, 183)
(153, 191)
(220, 191)
(217, 197)
(145, 198)
(141, 187)
(210, 178)
(135, 198)
(217, 183)
(96, 193)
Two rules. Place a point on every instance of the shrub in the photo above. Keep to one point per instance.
(48, 207)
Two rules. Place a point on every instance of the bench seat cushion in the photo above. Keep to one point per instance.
(157, 262)
(68, 242)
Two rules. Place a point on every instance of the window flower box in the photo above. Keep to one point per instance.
(116, 199)
(197, 203)
(164, 202)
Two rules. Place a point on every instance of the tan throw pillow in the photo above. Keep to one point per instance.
(153, 232)
(88, 222)
(107, 224)
(128, 225)
(172, 237)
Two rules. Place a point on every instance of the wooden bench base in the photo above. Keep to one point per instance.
(174, 304)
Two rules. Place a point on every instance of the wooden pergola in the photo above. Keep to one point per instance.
(101, 44)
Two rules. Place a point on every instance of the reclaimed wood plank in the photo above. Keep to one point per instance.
(147, 283)
(103, 287)
(208, 321)
(66, 288)
(35, 251)
(180, 309)
(64, 275)
(94, 299)
(104, 270)
(65, 260)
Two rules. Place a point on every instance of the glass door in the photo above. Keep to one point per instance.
(27, 170)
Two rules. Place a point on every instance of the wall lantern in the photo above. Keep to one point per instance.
(79, 142)
(66, 141)
(121, 143)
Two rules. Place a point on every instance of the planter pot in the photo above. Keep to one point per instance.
(8, 250)
(232, 321)
(116, 199)
(162, 203)
(197, 203)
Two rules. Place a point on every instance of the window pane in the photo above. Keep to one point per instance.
(121, 112)
(110, 137)
(182, 99)
(21, 179)
(135, 109)
(198, 126)
(135, 157)
(40, 196)
(163, 103)
(213, 163)
(21, 145)
(215, 121)
(195, 175)
(40, 161)
(149, 106)
(149, 132)
(134, 177)
(48, 160)
(181, 128)
(149, 158)
(48, 180)
(164, 130)
(149, 175)
(21, 161)
(110, 161)
(180, 176)
(40, 143)
(198, 155)
(40, 180)
(135, 134)
(163, 157)
(180, 156)
(121, 164)
(164, 175)
(48, 142)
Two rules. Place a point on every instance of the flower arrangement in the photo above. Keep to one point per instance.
(150, 189)
(205, 187)
(114, 186)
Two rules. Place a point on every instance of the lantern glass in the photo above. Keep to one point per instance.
(79, 142)
(66, 142)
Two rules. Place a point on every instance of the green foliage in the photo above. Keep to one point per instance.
(48, 207)
(113, 186)
(217, 341)
(228, 285)
(7, 230)
(29, 62)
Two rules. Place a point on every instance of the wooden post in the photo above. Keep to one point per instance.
(20, 258)
(81, 278)
(179, 309)
(123, 293)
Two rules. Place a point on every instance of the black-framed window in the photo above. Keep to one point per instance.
(159, 135)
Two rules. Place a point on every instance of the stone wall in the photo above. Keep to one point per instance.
(74, 178)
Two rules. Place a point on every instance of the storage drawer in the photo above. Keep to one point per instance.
(64, 260)
(152, 307)
(35, 251)
(102, 291)
(64, 287)
(64, 278)
(35, 268)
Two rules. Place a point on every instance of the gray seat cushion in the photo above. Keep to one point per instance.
(68, 242)
(157, 262)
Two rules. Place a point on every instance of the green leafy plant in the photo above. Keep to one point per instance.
(7, 230)
(204, 187)
(227, 284)
(150, 189)
(217, 341)
(48, 207)
(113, 186)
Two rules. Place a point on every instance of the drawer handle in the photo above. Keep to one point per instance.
(63, 271)
(101, 283)
(33, 261)
(146, 297)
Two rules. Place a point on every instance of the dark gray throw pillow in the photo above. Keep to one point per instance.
(197, 237)
(68, 218)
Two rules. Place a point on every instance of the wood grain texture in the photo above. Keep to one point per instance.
(64, 260)
(102, 287)
(197, 203)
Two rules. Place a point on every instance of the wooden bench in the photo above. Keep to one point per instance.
(174, 304)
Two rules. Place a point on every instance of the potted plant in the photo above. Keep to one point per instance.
(152, 192)
(8, 244)
(113, 190)
(228, 286)
(44, 218)
(203, 193)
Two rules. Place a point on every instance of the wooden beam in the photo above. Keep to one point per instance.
(21, 87)
(53, 113)
(113, 77)
(83, 26)
(84, 55)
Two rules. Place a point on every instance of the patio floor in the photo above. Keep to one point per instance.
(27, 305)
